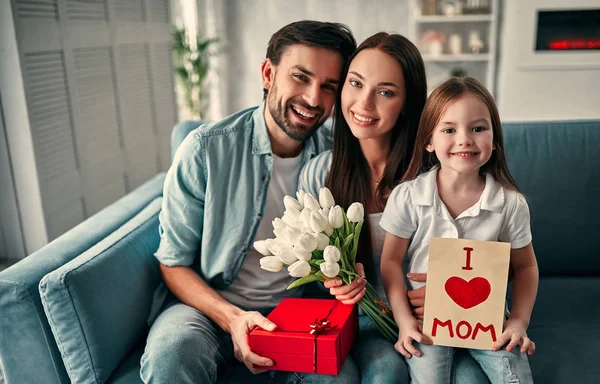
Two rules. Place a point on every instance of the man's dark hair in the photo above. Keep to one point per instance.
(334, 36)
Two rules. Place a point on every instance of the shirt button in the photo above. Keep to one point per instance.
(259, 216)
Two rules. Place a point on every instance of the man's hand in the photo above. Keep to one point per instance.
(351, 293)
(416, 297)
(240, 327)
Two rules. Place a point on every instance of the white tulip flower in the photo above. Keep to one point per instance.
(301, 254)
(311, 202)
(291, 203)
(286, 254)
(325, 213)
(308, 230)
(331, 254)
(300, 268)
(307, 242)
(280, 234)
(330, 270)
(300, 197)
(271, 263)
(326, 198)
(356, 212)
(328, 230)
(262, 247)
(305, 216)
(273, 245)
(336, 217)
(293, 235)
(279, 224)
(322, 241)
(292, 213)
(317, 223)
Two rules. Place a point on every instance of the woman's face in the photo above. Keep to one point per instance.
(373, 94)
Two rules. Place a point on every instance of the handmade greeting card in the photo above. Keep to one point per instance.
(466, 290)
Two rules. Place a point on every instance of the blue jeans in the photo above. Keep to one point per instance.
(379, 363)
(185, 346)
(500, 367)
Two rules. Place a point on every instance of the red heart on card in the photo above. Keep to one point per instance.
(470, 293)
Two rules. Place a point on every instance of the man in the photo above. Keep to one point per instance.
(225, 186)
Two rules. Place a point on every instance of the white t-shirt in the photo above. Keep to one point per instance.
(254, 287)
(414, 211)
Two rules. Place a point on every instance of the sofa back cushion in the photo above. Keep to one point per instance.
(557, 167)
(97, 304)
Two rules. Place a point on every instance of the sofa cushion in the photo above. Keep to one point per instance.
(557, 166)
(97, 304)
(564, 327)
(22, 315)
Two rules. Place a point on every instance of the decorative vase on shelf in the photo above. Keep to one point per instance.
(475, 42)
(436, 48)
(455, 44)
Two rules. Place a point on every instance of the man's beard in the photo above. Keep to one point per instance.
(299, 131)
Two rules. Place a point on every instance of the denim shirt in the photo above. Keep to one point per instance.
(215, 191)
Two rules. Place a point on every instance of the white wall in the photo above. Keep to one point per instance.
(250, 23)
(544, 86)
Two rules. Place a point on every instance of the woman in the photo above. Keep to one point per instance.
(376, 118)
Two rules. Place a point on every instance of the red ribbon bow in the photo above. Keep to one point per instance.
(317, 327)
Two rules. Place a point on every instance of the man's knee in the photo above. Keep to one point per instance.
(181, 345)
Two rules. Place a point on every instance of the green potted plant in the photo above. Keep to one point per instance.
(192, 63)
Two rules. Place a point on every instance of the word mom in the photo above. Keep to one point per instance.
(464, 329)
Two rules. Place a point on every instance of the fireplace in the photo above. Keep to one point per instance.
(568, 30)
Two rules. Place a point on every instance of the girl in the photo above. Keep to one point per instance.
(458, 186)
(375, 127)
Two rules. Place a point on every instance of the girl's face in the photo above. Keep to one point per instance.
(373, 94)
(463, 139)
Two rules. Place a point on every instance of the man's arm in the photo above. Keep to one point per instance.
(182, 224)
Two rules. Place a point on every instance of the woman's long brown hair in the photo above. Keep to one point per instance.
(349, 178)
(447, 93)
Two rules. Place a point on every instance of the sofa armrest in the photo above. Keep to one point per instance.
(98, 303)
(28, 351)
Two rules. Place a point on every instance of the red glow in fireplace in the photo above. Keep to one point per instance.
(557, 45)
(568, 30)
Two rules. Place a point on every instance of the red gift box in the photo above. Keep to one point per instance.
(293, 347)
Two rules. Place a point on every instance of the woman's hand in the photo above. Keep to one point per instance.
(416, 297)
(516, 332)
(410, 330)
(351, 293)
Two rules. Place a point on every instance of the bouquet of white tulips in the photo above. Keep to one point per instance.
(317, 240)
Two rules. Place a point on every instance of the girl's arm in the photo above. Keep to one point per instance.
(525, 284)
(394, 249)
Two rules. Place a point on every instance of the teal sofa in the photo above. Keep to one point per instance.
(76, 310)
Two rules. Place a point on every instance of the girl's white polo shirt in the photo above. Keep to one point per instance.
(414, 211)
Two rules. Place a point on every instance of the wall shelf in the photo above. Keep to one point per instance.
(453, 19)
(456, 58)
(454, 33)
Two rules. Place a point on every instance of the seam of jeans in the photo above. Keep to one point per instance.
(449, 365)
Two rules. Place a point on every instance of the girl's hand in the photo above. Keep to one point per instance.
(410, 330)
(351, 293)
(516, 332)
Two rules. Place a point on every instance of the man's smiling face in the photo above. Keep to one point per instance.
(302, 88)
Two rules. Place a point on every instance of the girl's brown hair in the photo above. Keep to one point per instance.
(349, 178)
(447, 93)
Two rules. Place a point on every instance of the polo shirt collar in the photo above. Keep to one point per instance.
(492, 197)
